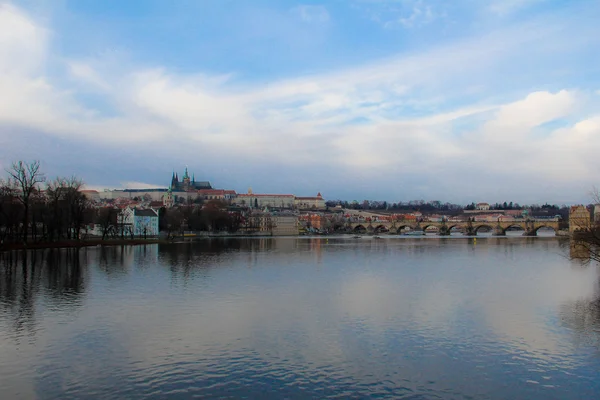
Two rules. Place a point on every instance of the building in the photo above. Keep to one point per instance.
(92, 195)
(145, 222)
(482, 206)
(141, 194)
(133, 221)
(187, 184)
(216, 194)
(264, 200)
(310, 203)
(579, 218)
(168, 199)
(285, 225)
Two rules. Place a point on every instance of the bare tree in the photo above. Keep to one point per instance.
(25, 177)
(10, 212)
(68, 208)
(174, 222)
(107, 219)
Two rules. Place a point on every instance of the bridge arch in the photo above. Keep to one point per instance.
(452, 226)
(513, 225)
(401, 227)
(545, 226)
(359, 228)
(477, 227)
(425, 226)
(380, 228)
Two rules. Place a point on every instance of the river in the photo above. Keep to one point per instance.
(414, 318)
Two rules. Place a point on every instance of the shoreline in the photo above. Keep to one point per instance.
(69, 244)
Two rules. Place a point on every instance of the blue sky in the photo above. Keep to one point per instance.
(360, 99)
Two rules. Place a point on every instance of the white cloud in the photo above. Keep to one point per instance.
(408, 106)
(85, 73)
(311, 13)
(22, 42)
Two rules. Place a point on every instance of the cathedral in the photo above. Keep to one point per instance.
(186, 184)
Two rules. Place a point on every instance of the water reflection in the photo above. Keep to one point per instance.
(579, 252)
(309, 317)
(58, 276)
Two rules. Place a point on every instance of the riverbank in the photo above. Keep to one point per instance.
(66, 244)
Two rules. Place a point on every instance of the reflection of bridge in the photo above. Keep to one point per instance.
(530, 226)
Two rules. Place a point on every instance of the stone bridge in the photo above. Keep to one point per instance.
(530, 226)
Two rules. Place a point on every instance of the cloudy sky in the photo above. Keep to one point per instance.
(459, 101)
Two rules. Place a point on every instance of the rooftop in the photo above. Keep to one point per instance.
(145, 213)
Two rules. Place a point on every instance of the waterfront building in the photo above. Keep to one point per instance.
(313, 220)
(579, 218)
(137, 222)
(285, 225)
(145, 222)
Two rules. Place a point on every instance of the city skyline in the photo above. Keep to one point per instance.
(378, 100)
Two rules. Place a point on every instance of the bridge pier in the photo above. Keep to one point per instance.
(530, 233)
(498, 231)
(470, 231)
(444, 231)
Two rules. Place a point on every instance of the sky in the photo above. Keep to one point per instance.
(393, 100)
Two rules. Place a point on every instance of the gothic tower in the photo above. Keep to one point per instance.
(186, 180)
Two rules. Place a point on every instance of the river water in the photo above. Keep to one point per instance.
(414, 318)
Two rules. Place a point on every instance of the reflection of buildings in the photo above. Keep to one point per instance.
(315, 246)
(579, 251)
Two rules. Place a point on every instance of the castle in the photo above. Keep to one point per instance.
(187, 184)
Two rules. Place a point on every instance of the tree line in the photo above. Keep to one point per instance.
(213, 216)
(33, 208)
